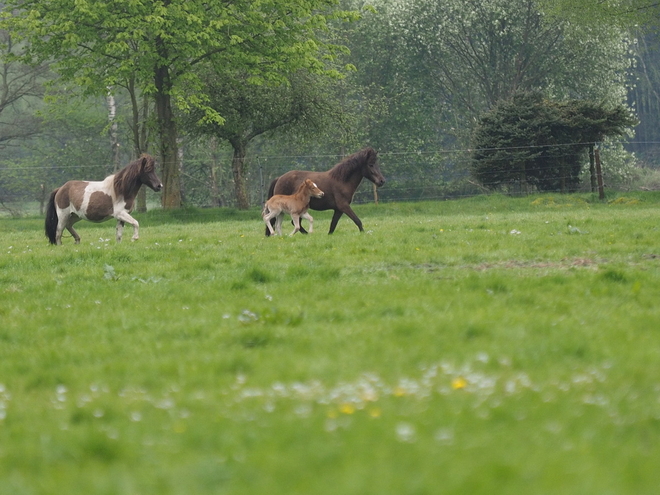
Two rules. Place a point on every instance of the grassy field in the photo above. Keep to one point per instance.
(480, 346)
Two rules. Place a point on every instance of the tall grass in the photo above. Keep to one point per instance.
(487, 345)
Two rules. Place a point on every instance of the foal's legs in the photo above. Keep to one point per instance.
(267, 217)
(278, 223)
(309, 218)
(296, 223)
(124, 216)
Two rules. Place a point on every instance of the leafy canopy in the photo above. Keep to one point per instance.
(99, 44)
(530, 140)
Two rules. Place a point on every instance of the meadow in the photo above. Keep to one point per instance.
(478, 346)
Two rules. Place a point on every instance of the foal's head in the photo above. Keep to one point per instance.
(312, 188)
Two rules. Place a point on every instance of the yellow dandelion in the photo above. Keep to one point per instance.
(374, 412)
(347, 409)
(399, 392)
(458, 383)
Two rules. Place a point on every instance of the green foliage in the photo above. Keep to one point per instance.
(532, 141)
(138, 37)
(451, 338)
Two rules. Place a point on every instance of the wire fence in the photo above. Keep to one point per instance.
(411, 176)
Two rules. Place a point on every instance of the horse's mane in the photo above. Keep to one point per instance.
(344, 169)
(126, 178)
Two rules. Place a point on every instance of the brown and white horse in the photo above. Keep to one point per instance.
(295, 205)
(98, 201)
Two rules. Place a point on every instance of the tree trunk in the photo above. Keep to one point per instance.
(171, 194)
(114, 138)
(139, 129)
(238, 170)
(215, 190)
(592, 168)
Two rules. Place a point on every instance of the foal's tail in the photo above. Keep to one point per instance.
(51, 218)
(271, 191)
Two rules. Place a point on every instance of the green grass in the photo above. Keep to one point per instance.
(487, 345)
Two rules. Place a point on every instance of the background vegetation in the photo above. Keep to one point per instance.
(485, 345)
(411, 79)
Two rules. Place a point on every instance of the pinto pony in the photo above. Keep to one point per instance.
(338, 184)
(100, 200)
(295, 205)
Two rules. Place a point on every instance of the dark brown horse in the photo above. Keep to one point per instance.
(338, 185)
(98, 201)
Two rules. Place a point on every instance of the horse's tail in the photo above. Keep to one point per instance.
(271, 188)
(271, 191)
(51, 218)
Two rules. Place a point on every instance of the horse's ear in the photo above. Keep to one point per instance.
(143, 162)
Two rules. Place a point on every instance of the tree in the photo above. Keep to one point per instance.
(252, 110)
(20, 85)
(532, 141)
(439, 65)
(159, 44)
(623, 13)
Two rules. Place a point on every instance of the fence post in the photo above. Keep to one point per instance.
(592, 168)
(261, 180)
(599, 173)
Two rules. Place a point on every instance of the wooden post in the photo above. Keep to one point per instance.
(375, 193)
(599, 174)
(592, 168)
(42, 200)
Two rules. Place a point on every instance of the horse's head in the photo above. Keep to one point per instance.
(372, 169)
(313, 188)
(148, 175)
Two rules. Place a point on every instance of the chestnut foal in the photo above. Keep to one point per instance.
(295, 205)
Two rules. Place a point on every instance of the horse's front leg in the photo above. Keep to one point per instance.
(351, 214)
(125, 217)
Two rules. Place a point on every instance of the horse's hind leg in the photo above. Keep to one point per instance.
(302, 229)
(62, 223)
(73, 232)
